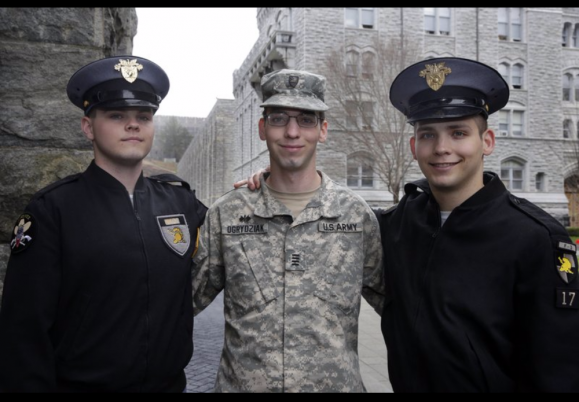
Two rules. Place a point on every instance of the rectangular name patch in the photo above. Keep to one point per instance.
(246, 229)
(339, 227)
(567, 246)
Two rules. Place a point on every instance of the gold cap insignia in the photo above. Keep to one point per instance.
(435, 75)
(129, 68)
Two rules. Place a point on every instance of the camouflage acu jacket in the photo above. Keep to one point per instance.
(292, 290)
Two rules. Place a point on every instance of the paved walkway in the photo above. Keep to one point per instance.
(208, 339)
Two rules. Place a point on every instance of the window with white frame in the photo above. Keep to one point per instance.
(513, 174)
(360, 171)
(512, 74)
(510, 24)
(359, 17)
(512, 122)
(540, 182)
(567, 128)
(437, 20)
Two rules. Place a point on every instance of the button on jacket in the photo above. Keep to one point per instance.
(100, 300)
(292, 289)
(481, 303)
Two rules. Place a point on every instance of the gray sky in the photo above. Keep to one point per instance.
(199, 48)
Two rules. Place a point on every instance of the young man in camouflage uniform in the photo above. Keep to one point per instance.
(293, 258)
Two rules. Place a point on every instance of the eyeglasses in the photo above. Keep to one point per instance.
(281, 119)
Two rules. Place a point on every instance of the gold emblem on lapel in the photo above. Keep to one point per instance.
(129, 68)
(435, 75)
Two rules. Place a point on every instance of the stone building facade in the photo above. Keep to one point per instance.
(208, 163)
(533, 153)
(40, 136)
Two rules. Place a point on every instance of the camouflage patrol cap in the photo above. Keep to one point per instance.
(447, 88)
(294, 89)
(118, 82)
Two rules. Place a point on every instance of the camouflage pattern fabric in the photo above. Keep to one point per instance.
(294, 89)
(292, 290)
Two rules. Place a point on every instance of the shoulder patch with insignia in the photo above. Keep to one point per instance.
(566, 261)
(175, 232)
(23, 234)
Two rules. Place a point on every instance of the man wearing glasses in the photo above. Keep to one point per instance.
(293, 258)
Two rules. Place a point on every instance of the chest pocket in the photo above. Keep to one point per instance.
(252, 289)
(344, 270)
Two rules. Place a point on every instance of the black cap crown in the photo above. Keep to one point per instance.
(118, 82)
(448, 87)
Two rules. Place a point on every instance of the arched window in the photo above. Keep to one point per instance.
(576, 36)
(352, 59)
(566, 36)
(517, 76)
(360, 171)
(567, 80)
(513, 75)
(512, 174)
(567, 128)
(368, 65)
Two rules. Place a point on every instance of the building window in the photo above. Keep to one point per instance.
(360, 171)
(566, 37)
(352, 59)
(359, 18)
(567, 128)
(511, 122)
(367, 115)
(513, 75)
(356, 64)
(437, 20)
(512, 174)
(566, 83)
(576, 36)
(368, 65)
(517, 76)
(351, 114)
(359, 115)
(540, 184)
(510, 24)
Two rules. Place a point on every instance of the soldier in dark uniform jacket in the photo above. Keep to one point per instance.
(97, 296)
(481, 285)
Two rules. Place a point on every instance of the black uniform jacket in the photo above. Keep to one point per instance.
(99, 299)
(480, 304)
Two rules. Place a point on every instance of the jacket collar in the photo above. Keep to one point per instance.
(323, 204)
(97, 175)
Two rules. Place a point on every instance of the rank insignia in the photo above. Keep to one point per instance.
(244, 218)
(566, 262)
(175, 232)
(23, 233)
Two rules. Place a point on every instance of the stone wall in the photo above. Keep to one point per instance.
(40, 136)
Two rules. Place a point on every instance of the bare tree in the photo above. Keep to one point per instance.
(360, 85)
